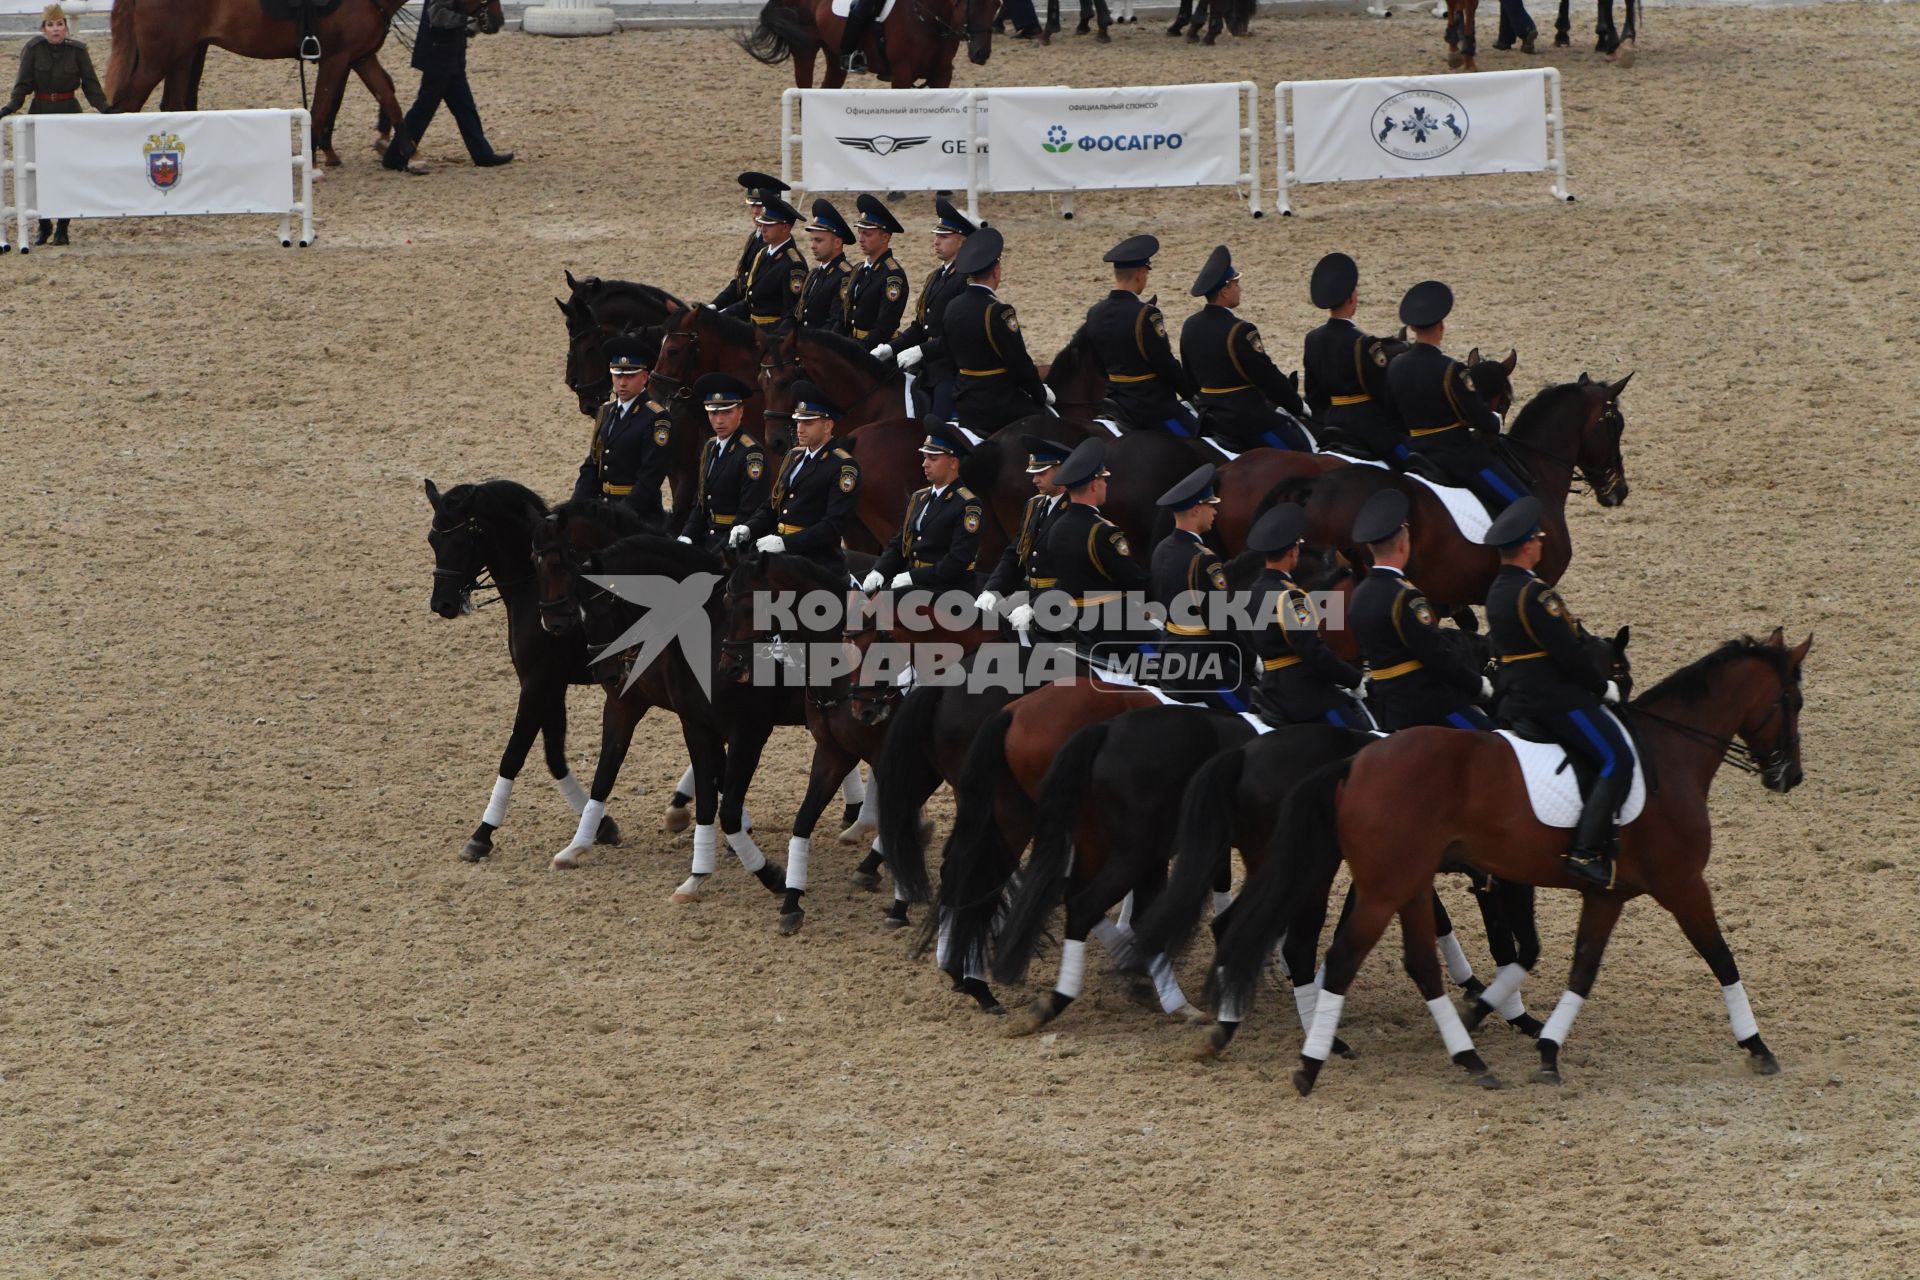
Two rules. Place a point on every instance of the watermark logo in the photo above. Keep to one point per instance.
(671, 610)
(1420, 124)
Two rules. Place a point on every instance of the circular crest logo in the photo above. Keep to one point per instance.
(1420, 124)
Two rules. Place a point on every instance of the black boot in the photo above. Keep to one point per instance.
(1591, 857)
(46, 231)
(60, 232)
(852, 58)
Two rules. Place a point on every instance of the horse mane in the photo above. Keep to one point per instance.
(735, 331)
(657, 553)
(850, 351)
(1078, 344)
(623, 522)
(496, 499)
(1693, 681)
(1545, 401)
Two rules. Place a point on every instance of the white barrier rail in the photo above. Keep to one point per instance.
(1419, 127)
(158, 164)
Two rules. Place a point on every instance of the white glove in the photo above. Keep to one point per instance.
(1021, 617)
(773, 544)
(883, 352)
(909, 358)
(684, 538)
(1188, 406)
(1360, 690)
(1612, 696)
(738, 538)
(901, 581)
(1049, 390)
(989, 602)
(871, 583)
(1486, 689)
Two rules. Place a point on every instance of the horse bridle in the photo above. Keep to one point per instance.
(942, 29)
(469, 581)
(772, 363)
(1608, 481)
(1735, 752)
(675, 388)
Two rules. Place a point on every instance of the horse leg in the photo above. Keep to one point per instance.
(708, 752)
(1606, 39)
(527, 721)
(1089, 904)
(1562, 28)
(743, 758)
(857, 820)
(1166, 984)
(1598, 914)
(1458, 966)
(182, 85)
(380, 85)
(617, 723)
(1692, 907)
(1507, 912)
(1417, 940)
(1627, 33)
(329, 87)
(553, 737)
(1468, 45)
(831, 763)
(1297, 948)
(1351, 943)
(678, 816)
(1216, 19)
(1182, 18)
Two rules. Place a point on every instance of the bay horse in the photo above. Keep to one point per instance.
(921, 39)
(1740, 704)
(482, 538)
(1615, 43)
(167, 40)
(1461, 45)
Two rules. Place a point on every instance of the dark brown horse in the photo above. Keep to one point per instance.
(157, 41)
(921, 38)
(1739, 704)
(1615, 43)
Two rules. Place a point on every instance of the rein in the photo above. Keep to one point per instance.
(1732, 751)
(1577, 479)
(943, 29)
(481, 580)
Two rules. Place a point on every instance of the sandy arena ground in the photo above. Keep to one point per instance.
(255, 1018)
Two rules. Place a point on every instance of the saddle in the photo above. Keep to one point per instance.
(297, 10)
(1555, 789)
(1334, 440)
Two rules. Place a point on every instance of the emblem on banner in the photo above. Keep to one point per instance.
(1057, 141)
(165, 155)
(1421, 124)
(882, 144)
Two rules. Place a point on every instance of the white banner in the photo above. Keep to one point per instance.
(1102, 139)
(135, 166)
(1419, 126)
(882, 139)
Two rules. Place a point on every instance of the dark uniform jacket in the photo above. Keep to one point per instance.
(733, 482)
(995, 381)
(823, 305)
(1415, 678)
(1143, 379)
(737, 287)
(1346, 385)
(1434, 395)
(1184, 565)
(1023, 565)
(1237, 382)
(1091, 562)
(440, 44)
(811, 504)
(876, 299)
(775, 280)
(46, 67)
(1302, 679)
(629, 457)
(928, 330)
(939, 539)
(1547, 661)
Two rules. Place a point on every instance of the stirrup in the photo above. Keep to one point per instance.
(1597, 869)
(309, 48)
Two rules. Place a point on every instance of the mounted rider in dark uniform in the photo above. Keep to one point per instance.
(995, 382)
(1346, 370)
(1090, 558)
(813, 500)
(1129, 336)
(777, 276)
(939, 537)
(923, 342)
(877, 296)
(1187, 575)
(823, 302)
(1302, 681)
(1023, 564)
(1237, 383)
(1413, 678)
(733, 473)
(1437, 402)
(631, 435)
(1551, 674)
(861, 16)
(758, 187)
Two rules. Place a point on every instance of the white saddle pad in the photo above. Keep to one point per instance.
(1120, 678)
(1469, 513)
(1113, 428)
(842, 8)
(1556, 795)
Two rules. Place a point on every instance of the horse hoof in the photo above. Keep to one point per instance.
(1344, 1050)
(790, 922)
(1545, 1075)
(868, 880)
(1561, 41)
(1764, 1064)
(1454, 60)
(1191, 1016)
(475, 851)
(568, 858)
(858, 833)
(1211, 1046)
(1625, 57)
(1302, 1083)
(380, 141)
(691, 890)
(1031, 1019)
(1486, 1080)
(995, 1009)
(679, 818)
(609, 832)
(891, 921)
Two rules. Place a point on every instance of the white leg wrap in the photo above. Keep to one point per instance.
(1126, 913)
(706, 849)
(899, 894)
(1221, 901)
(746, 850)
(496, 813)
(798, 849)
(589, 823)
(1231, 1009)
(1739, 1012)
(943, 949)
(1112, 936)
(1326, 1021)
(685, 785)
(575, 794)
(1166, 984)
(1563, 1015)
(1457, 967)
(1304, 999)
(1452, 1031)
(1073, 969)
(853, 788)
(1504, 988)
(1512, 1007)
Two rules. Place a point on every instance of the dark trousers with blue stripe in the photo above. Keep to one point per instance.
(1475, 468)
(1591, 734)
(1155, 413)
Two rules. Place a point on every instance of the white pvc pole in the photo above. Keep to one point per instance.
(306, 179)
(7, 186)
(786, 135)
(1555, 117)
(1281, 132)
(973, 153)
(1252, 134)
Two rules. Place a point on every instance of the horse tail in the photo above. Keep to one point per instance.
(1203, 846)
(779, 30)
(124, 58)
(1310, 844)
(905, 778)
(1044, 882)
(976, 865)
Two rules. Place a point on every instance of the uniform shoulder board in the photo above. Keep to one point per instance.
(746, 441)
(843, 267)
(965, 493)
(842, 453)
(656, 406)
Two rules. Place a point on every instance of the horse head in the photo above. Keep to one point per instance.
(979, 29)
(675, 368)
(739, 635)
(1599, 456)
(459, 550)
(587, 375)
(1774, 738)
(1493, 379)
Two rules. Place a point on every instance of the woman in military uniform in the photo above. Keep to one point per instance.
(631, 436)
(733, 474)
(939, 537)
(1302, 681)
(53, 68)
(814, 499)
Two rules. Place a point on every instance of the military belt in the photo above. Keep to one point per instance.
(919, 564)
(616, 490)
(1417, 432)
(720, 519)
(1041, 584)
(1089, 602)
(1275, 664)
(862, 334)
(1505, 658)
(785, 529)
(982, 373)
(53, 97)
(765, 320)
(1131, 377)
(1347, 400)
(1181, 629)
(1398, 669)
(1225, 391)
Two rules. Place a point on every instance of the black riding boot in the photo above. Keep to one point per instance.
(1106, 20)
(1591, 857)
(46, 231)
(852, 59)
